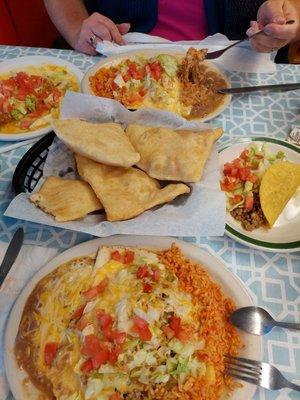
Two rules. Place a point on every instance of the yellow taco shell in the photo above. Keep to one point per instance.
(278, 185)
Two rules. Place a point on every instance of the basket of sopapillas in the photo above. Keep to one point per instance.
(148, 172)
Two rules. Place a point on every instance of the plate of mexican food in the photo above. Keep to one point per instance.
(31, 91)
(128, 317)
(261, 180)
(182, 83)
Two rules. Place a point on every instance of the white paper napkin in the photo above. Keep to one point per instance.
(28, 262)
(240, 58)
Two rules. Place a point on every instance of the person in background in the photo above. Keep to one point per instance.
(83, 23)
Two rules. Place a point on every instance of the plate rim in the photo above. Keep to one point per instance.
(85, 86)
(191, 250)
(243, 238)
(9, 137)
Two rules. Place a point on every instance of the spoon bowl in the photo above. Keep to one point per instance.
(257, 321)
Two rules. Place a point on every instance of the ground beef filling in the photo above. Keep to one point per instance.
(251, 219)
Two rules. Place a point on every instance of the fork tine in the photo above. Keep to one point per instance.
(243, 378)
(239, 364)
(243, 370)
(244, 360)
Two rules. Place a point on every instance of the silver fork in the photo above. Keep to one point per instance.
(216, 54)
(213, 54)
(258, 373)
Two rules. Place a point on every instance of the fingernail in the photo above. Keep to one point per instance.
(250, 32)
(267, 31)
(252, 23)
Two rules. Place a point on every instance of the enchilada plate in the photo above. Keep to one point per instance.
(230, 284)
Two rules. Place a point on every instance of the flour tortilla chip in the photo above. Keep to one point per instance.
(125, 193)
(105, 143)
(172, 155)
(66, 199)
(278, 185)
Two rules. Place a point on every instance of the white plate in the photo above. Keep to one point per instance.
(18, 64)
(285, 234)
(231, 285)
(115, 60)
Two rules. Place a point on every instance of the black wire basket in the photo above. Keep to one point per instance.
(30, 168)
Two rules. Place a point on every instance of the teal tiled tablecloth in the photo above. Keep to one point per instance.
(272, 279)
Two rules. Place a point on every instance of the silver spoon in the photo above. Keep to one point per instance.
(257, 321)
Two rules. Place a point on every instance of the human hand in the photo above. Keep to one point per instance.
(271, 18)
(98, 27)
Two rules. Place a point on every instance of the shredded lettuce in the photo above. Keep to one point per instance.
(169, 63)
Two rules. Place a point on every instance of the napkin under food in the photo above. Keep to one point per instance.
(28, 262)
(202, 213)
(240, 58)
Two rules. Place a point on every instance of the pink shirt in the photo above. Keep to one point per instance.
(181, 20)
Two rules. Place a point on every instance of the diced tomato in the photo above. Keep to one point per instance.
(26, 122)
(113, 357)
(78, 312)
(179, 332)
(134, 98)
(142, 92)
(96, 290)
(182, 336)
(126, 77)
(115, 396)
(50, 351)
(105, 320)
(168, 332)
(100, 357)
(227, 185)
(252, 178)
(128, 256)
(237, 198)
(244, 173)
(142, 328)
(7, 108)
(91, 345)
(140, 322)
(56, 95)
(21, 95)
(118, 337)
(249, 201)
(81, 324)
(175, 324)
(142, 272)
(155, 275)
(245, 154)
(87, 366)
(96, 350)
(156, 70)
(107, 333)
(237, 162)
(91, 293)
(134, 71)
(234, 172)
(114, 354)
(147, 288)
(227, 169)
(116, 255)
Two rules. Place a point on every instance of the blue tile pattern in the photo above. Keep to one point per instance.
(272, 279)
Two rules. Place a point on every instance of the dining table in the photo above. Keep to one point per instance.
(272, 279)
